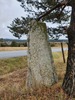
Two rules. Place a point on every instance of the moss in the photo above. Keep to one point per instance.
(42, 25)
(37, 24)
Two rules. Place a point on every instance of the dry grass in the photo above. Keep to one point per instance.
(12, 48)
(12, 85)
(12, 64)
(54, 44)
(59, 64)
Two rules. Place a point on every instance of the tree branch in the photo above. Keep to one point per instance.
(57, 6)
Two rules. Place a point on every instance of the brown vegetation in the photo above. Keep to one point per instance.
(12, 85)
(58, 44)
(12, 48)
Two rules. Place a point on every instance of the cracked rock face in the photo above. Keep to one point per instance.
(41, 70)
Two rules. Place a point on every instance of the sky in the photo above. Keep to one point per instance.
(9, 9)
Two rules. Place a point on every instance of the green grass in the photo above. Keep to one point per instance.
(12, 64)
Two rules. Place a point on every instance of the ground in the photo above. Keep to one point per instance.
(12, 87)
(12, 80)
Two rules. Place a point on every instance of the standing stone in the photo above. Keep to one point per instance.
(41, 70)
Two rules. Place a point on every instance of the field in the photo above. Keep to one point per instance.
(25, 48)
(12, 48)
(13, 77)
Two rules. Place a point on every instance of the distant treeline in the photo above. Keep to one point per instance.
(12, 43)
(23, 43)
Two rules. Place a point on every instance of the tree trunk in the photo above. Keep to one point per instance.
(41, 70)
(69, 80)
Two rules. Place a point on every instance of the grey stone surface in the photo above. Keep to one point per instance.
(41, 70)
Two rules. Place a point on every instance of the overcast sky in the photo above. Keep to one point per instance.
(9, 9)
